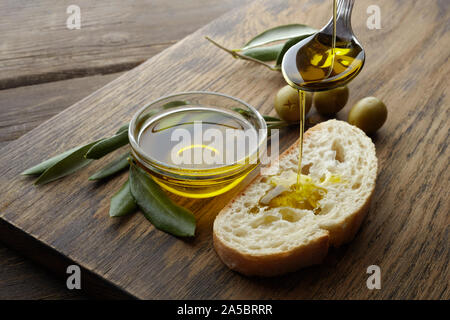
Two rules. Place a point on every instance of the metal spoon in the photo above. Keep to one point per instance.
(314, 65)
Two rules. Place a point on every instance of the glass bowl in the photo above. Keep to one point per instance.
(201, 179)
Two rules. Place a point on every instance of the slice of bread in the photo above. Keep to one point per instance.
(266, 241)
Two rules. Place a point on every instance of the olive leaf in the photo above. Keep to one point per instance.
(122, 202)
(287, 45)
(247, 113)
(237, 55)
(164, 214)
(175, 103)
(105, 146)
(112, 168)
(68, 164)
(41, 167)
(270, 119)
(279, 33)
(253, 51)
(268, 53)
(123, 128)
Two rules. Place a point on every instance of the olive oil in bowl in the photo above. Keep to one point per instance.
(200, 149)
(161, 137)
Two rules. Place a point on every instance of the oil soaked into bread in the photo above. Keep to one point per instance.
(322, 62)
(305, 195)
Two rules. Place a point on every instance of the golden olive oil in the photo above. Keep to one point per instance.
(304, 195)
(189, 152)
(302, 104)
(322, 62)
(319, 65)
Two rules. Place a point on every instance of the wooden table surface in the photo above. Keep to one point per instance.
(405, 233)
(46, 68)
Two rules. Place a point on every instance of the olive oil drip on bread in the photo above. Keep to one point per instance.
(320, 65)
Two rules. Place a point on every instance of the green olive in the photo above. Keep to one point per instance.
(287, 104)
(332, 101)
(368, 114)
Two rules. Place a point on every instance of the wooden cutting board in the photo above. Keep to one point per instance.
(405, 232)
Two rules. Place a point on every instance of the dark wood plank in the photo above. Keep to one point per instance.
(406, 232)
(25, 108)
(115, 36)
(21, 279)
(22, 109)
(50, 259)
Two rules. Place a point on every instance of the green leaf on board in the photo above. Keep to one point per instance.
(123, 128)
(247, 113)
(41, 167)
(268, 53)
(122, 202)
(68, 164)
(157, 207)
(107, 145)
(175, 103)
(279, 33)
(271, 119)
(112, 168)
(238, 55)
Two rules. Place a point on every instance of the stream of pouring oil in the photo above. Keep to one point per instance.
(302, 97)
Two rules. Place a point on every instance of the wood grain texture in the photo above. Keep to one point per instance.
(25, 108)
(114, 36)
(22, 109)
(20, 279)
(405, 233)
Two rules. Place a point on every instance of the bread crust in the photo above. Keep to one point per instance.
(273, 264)
(306, 255)
(345, 233)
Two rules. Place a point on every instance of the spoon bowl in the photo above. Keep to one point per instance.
(317, 63)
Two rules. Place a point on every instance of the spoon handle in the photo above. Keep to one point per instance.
(343, 21)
